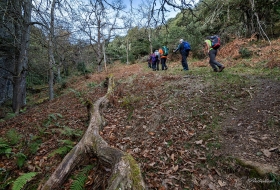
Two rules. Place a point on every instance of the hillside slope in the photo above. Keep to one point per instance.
(195, 130)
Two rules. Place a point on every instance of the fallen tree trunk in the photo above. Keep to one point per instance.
(125, 170)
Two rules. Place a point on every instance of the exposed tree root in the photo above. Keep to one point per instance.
(125, 170)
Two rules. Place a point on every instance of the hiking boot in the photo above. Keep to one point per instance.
(221, 68)
(215, 70)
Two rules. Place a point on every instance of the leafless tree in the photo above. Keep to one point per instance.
(16, 22)
(255, 14)
(99, 24)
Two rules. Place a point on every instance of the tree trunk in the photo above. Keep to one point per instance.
(125, 171)
(127, 51)
(51, 54)
(104, 56)
(22, 31)
(59, 72)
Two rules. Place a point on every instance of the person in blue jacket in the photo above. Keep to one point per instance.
(184, 53)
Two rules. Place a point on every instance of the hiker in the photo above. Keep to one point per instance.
(184, 48)
(158, 59)
(154, 59)
(212, 53)
(163, 57)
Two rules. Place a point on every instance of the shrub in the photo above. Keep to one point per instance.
(245, 52)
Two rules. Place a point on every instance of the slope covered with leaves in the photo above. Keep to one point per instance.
(195, 130)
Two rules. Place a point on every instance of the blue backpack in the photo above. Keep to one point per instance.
(187, 46)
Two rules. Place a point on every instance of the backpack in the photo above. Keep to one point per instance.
(165, 50)
(187, 46)
(215, 40)
(154, 57)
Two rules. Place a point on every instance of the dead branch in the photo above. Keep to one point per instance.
(125, 170)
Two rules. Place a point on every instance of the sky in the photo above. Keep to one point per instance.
(172, 14)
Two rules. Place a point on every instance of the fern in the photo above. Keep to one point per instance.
(70, 132)
(34, 146)
(80, 179)
(61, 151)
(68, 145)
(66, 131)
(22, 180)
(87, 168)
(66, 142)
(5, 149)
(52, 117)
(13, 136)
(21, 158)
(79, 182)
(2, 141)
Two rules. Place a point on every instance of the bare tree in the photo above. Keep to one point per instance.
(255, 14)
(48, 14)
(100, 24)
(16, 22)
(62, 49)
(146, 18)
(51, 50)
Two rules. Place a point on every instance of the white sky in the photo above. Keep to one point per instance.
(173, 12)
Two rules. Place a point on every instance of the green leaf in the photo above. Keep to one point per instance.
(21, 181)
(21, 158)
(81, 178)
(5, 149)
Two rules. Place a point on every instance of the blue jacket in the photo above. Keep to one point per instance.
(182, 49)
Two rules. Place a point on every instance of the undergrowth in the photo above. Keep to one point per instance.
(66, 146)
(80, 179)
(21, 181)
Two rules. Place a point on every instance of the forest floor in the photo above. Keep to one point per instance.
(187, 130)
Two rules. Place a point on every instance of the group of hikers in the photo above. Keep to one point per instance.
(212, 43)
(159, 56)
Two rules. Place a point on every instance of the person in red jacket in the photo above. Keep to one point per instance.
(163, 57)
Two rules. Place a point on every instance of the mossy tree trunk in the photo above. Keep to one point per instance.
(125, 170)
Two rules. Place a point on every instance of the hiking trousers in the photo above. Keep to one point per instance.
(184, 60)
(154, 65)
(163, 63)
(214, 64)
(157, 66)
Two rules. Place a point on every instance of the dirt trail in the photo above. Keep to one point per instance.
(253, 132)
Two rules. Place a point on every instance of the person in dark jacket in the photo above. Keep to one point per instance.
(184, 53)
